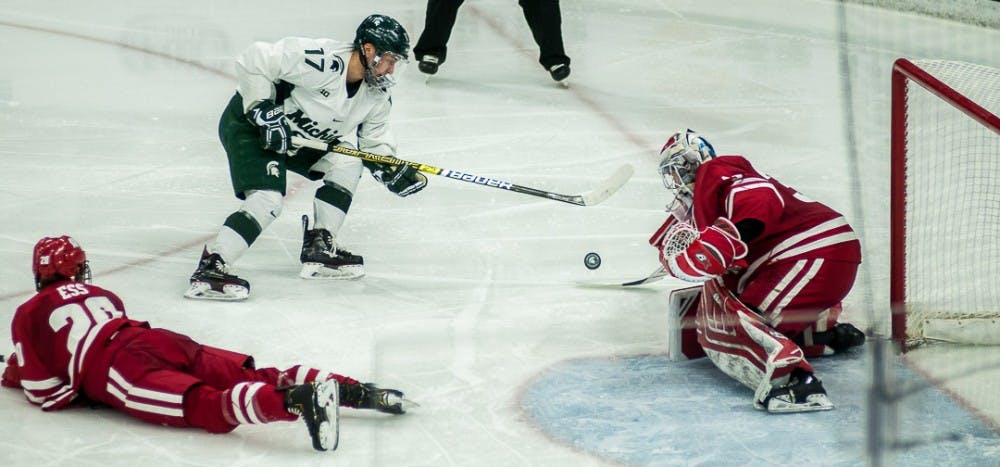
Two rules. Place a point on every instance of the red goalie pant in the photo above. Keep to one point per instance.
(166, 378)
(798, 298)
(741, 344)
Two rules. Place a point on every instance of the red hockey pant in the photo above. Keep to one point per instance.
(167, 378)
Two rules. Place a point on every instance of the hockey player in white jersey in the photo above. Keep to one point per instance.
(319, 89)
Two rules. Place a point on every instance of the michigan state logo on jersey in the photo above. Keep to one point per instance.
(272, 169)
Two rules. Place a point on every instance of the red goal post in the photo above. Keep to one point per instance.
(945, 202)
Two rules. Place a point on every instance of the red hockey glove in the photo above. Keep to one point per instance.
(11, 377)
(717, 247)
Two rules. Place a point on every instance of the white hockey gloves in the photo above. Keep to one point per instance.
(275, 135)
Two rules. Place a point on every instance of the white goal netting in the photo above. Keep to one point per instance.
(951, 245)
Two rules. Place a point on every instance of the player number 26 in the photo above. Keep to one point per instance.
(81, 317)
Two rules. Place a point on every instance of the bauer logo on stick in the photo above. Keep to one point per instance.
(592, 260)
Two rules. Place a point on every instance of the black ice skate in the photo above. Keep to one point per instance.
(318, 405)
(212, 281)
(369, 396)
(841, 338)
(559, 73)
(803, 393)
(845, 336)
(429, 64)
(321, 259)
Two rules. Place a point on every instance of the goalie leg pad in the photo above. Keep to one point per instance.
(743, 346)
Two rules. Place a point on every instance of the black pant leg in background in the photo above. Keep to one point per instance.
(545, 21)
(437, 28)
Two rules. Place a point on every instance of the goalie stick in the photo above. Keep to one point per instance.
(595, 196)
(656, 275)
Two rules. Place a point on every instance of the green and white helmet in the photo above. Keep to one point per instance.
(391, 42)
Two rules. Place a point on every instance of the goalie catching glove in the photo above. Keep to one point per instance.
(717, 248)
(269, 118)
(402, 180)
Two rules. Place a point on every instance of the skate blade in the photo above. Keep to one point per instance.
(328, 396)
(407, 404)
(203, 291)
(814, 403)
(321, 272)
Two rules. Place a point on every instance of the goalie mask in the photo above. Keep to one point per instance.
(391, 50)
(59, 258)
(680, 158)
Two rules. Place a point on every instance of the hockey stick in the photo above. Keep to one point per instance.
(656, 275)
(602, 192)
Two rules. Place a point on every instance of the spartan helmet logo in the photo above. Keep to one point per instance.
(272, 169)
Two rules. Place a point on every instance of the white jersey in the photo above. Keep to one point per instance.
(318, 107)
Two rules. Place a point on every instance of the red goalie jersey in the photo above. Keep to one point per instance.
(794, 226)
(57, 336)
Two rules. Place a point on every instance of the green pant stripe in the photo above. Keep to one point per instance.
(335, 196)
(245, 225)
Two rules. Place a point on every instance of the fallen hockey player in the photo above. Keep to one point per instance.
(74, 345)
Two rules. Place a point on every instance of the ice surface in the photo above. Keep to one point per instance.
(473, 297)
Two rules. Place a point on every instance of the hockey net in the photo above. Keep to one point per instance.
(945, 226)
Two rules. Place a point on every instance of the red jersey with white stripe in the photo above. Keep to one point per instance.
(795, 227)
(57, 334)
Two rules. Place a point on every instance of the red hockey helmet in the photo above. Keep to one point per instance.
(58, 258)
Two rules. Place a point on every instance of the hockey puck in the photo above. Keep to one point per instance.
(592, 260)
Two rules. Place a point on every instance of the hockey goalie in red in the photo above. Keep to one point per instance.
(774, 267)
(73, 343)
